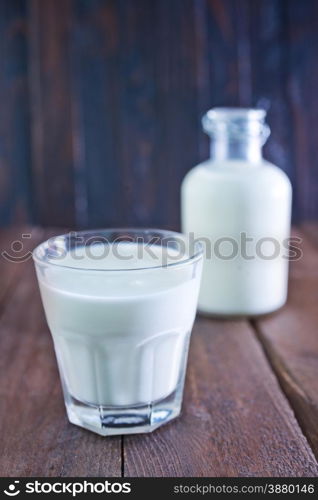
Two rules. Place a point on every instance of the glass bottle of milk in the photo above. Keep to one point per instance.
(239, 205)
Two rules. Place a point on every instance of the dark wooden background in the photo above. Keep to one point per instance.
(101, 100)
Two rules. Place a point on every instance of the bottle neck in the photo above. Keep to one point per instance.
(225, 149)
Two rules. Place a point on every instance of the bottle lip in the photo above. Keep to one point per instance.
(235, 113)
(236, 123)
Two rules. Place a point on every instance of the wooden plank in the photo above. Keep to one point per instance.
(291, 341)
(175, 121)
(50, 94)
(36, 438)
(302, 84)
(15, 246)
(140, 90)
(268, 47)
(221, 77)
(235, 421)
(134, 77)
(96, 79)
(116, 100)
(311, 231)
(14, 124)
(221, 52)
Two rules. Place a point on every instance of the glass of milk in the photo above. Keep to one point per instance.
(120, 305)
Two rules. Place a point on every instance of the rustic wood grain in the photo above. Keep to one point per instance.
(311, 231)
(235, 421)
(269, 72)
(137, 95)
(176, 120)
(15, 246)
(54, 181)
(136, 104)
(36, 437)
(102, 100)
(301, 20)
(290, 339)
(221, 60)
(96, 82)
(15, 199)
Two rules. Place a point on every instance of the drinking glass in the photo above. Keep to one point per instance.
(120, 305)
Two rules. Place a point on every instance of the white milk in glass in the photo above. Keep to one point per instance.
(119, 332)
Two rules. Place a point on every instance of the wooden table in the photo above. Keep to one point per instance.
(250, 403)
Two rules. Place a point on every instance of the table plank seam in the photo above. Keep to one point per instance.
(290, 390)
(122, 449)
(201, 442)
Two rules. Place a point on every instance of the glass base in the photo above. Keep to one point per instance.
(110, 421)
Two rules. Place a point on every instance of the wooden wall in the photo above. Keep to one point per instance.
(101, 100)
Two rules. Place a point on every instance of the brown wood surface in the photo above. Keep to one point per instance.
(236, 419)
(15, 242)
(36, 439)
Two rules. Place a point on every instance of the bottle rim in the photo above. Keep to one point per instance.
(236, 113)
(236, 123)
